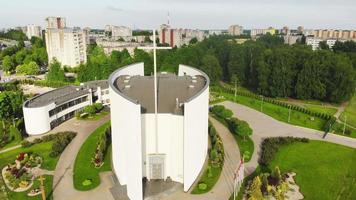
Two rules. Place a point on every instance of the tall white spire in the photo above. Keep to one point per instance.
(154, 48)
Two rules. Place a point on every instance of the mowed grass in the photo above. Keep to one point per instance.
(278, 112)
(49, 163)
(324, 170)
(210, 181)
(321, 109)
(83, 168)
(350, 113)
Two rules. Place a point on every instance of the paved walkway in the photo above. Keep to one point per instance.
(265, 126)
(10, 149)
(63, 188)
(224, 187)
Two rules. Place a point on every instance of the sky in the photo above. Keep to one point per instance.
(201, 14)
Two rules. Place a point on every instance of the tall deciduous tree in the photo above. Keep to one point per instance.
(55, 72)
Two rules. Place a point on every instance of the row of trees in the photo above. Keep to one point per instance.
(265, 66)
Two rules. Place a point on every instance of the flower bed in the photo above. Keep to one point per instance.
(18, 176)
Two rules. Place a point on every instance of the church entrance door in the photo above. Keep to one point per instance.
(156, 166)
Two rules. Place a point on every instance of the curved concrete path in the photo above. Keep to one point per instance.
(224, 187)
(265, 126)
(63, 188)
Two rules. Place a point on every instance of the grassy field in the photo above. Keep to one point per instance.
(49, 163)
(320, 108)
(350, 112)
(278, 112)
(208, 180)
(83, 168)
(324, 170)
(339, 127)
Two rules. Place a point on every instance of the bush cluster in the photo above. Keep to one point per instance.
(44, 83)
(270, 147)
(60, 142)
(92, 109)
(216, 155)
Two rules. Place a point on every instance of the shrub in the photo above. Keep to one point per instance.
(270, 146)
(221, 111)
(26, 144)
(202, 186)
(60, 142)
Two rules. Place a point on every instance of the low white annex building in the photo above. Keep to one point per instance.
(46, 111)
(170, 145)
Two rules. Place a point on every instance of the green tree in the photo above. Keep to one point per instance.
(254, 191)
(323, 45)
(11, 105)
(212, 68)
(8, 64)
(28, 69)
(55, 72)
(276, 175)
(193, 40)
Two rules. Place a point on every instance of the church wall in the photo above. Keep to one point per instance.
(196, 113)
(170, 143)
(126, 136)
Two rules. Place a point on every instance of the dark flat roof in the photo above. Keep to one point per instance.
(64, 94)
(169, 88)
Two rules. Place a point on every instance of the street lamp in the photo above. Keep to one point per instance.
(289, 112)
(261, 103)
(343, 131)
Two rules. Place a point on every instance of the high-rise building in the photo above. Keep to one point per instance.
(67, 45)
(235, 30)
(33, 31)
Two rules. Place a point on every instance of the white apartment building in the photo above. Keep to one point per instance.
(118, 31)
(314, 42)
(235, 30)
(67, 45)
(33, 31)
(113, 45)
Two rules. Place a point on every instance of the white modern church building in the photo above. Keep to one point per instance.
(158, 138)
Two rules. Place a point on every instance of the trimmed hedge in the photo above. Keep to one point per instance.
(270, 147)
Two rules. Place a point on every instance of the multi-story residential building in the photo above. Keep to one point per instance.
(285, 30)
(118, 31)
(33, 31)
(235, 30)
(114, 45)
(256, 32)
(67, 45)
(178, 37)
(335, 34)
(216, 32)
(314, 42)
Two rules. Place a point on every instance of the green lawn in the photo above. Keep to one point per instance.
(83, 168)
(324, 170)
(49, 163)
(278, 112)
(97, 116)
(321, 109)
(350, 113)
(339, 127)
(208, 180)
(245, 145)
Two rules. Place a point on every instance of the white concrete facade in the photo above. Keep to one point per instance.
(182, 140)
(33, 31)
(42, 117)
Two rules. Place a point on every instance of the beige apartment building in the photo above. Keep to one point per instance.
(67, 45)
(235, 30)
(33, 31)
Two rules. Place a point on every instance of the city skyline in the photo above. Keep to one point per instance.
(200, 14)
